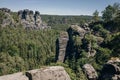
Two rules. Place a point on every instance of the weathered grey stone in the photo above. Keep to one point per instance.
(15, 76)
(62, 44)
(30, 20)
(38, 20)
(31, 15)
(48, 73)
(5, 10)
(26, 17)
(78, 30)
(90, 72)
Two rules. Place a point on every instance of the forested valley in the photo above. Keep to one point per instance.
(23, 48)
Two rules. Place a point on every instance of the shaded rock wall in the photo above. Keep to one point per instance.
(62, 45)
(75, 31)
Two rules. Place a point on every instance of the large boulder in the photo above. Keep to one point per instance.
(15, 76)
(62, 45)
(78, 30)
(48, 73)
(90, 72)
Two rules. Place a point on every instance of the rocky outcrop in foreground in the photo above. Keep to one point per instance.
(46, 73)
(15, 76)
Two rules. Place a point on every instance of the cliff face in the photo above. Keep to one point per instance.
(62, 44)
(26, 17)
(46, 73)
(70, 44)
(29, 19)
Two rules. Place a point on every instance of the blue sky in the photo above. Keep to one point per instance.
(59, 7)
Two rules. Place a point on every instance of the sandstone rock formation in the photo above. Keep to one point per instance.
(5, 10)
(81, 32)
(90, 72)
(62, 45)
(46, 73)
(15, 76)
(30, 20)
(26, 17)
(78, 30)
(111, 70)
(86, 26)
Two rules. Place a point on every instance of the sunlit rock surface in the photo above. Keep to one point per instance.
(45, 73)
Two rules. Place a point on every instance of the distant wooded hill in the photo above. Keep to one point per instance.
(62, 22)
